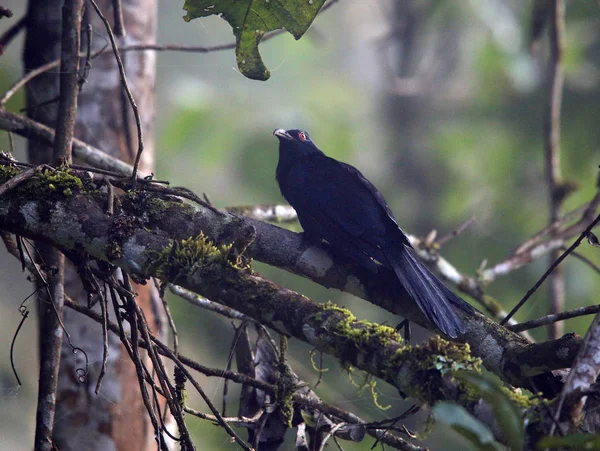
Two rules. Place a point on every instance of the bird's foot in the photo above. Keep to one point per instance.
(406, 326)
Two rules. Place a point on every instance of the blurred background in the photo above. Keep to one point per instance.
(439, 103)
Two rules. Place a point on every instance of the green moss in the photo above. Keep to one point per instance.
(361, 333)
(156, 207)
(370, 382)
(7, 172)
(286, 387)
(354, 341)
(431, 366)
(113, 250)
(521, 400)
(60, 178)
(436, 359)
(375, 396)
(187, 256)
(329, 307)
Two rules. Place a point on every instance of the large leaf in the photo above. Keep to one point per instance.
(251, 19)
(507, 414)
(466, 425)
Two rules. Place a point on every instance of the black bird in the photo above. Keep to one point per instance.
(337, 204)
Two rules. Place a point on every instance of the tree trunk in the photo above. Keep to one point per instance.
(115, 418)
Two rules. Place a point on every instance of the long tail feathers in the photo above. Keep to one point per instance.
(433, 297)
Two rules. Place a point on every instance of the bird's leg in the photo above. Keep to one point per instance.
(406, 326)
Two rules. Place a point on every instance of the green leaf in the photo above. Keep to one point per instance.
(507, 414)
(251, 19)
(466, 425)
(576, 441)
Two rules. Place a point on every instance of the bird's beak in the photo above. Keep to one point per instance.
(282, 134)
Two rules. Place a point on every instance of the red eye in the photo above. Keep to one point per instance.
(302, 136)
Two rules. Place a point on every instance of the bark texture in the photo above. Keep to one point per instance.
(116, 418)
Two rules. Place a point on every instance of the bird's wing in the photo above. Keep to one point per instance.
(339, 198)
(368, 185)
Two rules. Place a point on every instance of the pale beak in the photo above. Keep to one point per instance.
(282, 134)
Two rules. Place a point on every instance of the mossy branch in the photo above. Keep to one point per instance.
(149, 235)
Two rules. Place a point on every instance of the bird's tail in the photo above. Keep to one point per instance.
(433, 297)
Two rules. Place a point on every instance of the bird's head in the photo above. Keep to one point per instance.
(295, 142)
(294, 145)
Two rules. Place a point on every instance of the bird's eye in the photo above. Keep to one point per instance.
(302, 136)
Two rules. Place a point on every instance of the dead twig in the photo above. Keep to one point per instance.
(583, 374)
(552, 318)
(460, 229)
(550, 269)
(13, 182)
(125, 84)
(12, 33)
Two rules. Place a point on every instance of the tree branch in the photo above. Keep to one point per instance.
(144, 225)
(549, 319)
(31, 129)
(582, 376)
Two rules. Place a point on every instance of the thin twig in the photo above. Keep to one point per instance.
(17, 179)
(460, 229)
(12, 33)
(300, 399)
(552, 318)
(549, 271)
(538, 237)
(141, 378)
(236, 336)
(330, 434)
(204, 303)
(38, 71)
(33, 130)
(24, 315)
(161, 290)
(211, 406)
(125, 84)
(104, 312)
(410, 411)
(167, 389)
(585, 260)
(534, 249)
